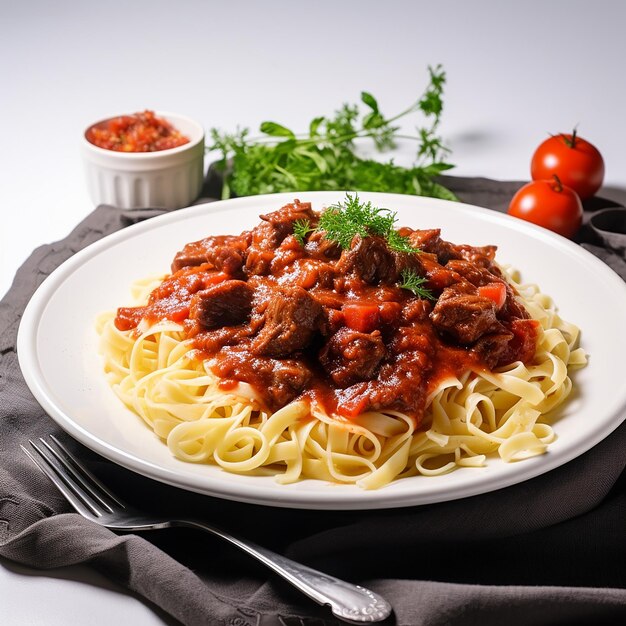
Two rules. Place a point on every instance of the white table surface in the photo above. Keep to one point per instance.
(515, 73)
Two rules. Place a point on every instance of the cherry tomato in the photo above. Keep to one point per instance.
(576, 162)
(550, 204)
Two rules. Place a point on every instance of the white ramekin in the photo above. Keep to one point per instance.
(168, 179)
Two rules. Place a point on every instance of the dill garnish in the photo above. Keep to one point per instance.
(301, 228)
(399, 243)
(414, 283)
(341, 222)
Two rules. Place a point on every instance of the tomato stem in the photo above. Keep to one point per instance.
(571, 143)
(559, 185)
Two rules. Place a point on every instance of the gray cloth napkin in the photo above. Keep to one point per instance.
(551, 550)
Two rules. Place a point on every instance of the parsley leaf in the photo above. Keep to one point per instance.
(326, 158)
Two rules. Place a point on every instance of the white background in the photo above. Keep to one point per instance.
(516, 72)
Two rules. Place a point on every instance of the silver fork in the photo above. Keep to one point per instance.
(348, 602)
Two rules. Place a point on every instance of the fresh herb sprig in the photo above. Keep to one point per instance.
(301, 228)
(326, 158)
(399, 243)
(342, 221)
(414, 283)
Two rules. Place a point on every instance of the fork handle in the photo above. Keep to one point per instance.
(348, 602)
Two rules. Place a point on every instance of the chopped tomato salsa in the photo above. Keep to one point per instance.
(141, 132)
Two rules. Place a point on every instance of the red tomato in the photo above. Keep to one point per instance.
(550, 204)
(576, 162)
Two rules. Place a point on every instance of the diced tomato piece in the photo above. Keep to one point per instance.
(495, 292)
(362, 317)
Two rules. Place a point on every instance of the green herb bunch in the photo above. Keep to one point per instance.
(326, 158)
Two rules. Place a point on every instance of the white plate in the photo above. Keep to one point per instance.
(57, 347)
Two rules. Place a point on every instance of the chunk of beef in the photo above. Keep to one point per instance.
(351, 356)
(479, 276)
(517, 342)
(439, 277)
(475, 274)
(259, 261)
(228, 254)
(416, 310)
(306, 273)
(319, 247)
(226, 304)
(288, 252)
(288, 378)
(268, 236)
(483, 256)
(271, 232)
(291, 319)
(407, 261)
(427, 240)
(464, 316)
(211, 341)
(280, 381)
(291, 213)
(332, 317)
(191, 255)
(276, 226)
(400, 385)
(415, 341)
(430, 241)
(225, 252)
(512, 309)
(370, 259)
(492, 348)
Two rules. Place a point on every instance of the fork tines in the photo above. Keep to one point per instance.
(81, 488)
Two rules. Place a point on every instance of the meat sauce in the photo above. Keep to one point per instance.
(141, 132)
(306, 319)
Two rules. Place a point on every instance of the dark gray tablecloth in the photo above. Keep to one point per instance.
(551, 550)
